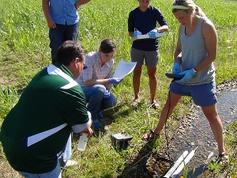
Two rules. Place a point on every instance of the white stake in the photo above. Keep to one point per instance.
(177, 163)
(187, 159)
(210, 155)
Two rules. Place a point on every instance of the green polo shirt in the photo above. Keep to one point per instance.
(38, 126)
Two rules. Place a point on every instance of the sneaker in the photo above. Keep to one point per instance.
(71, 163)
(100, 115)
(96, 124)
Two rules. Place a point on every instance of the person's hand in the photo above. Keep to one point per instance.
(115, 80)
(88, 131)
(153, 33)
(107, 93)
(51, 24)
(136, 32)
(77, 6)
(188, 74)
(176, 68)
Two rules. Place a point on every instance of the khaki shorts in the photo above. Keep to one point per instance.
(150, 57)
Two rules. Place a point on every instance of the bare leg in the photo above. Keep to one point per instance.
(216, 125)
(136, 82)
(170, 104)
(152, 82)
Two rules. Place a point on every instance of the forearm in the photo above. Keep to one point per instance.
(45, 7)
(205, 62)
(96, 81)
(163, 28)
(130, 34)
(86, 127)
(81, 2)
(178, 56)
(178, 50)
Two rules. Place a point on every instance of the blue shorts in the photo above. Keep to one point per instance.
(202, 95)
(150, 57)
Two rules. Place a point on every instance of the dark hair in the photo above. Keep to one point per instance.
(68, 52)
(107, 46)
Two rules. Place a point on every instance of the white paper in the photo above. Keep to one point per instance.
(139, 37)
(146, 36)
(123, 69)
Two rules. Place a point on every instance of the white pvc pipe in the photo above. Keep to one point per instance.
(177, 163)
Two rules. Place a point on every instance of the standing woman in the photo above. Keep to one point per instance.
(193, 57)
(143, 20)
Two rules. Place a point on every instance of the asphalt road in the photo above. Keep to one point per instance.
(195, 132)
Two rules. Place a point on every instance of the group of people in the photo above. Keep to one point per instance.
(37, 131)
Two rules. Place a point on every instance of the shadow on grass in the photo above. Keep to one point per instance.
(137, 168)
(110, 116)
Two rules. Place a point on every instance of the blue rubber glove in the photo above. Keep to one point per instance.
(176, 68)
(136, 32)
(153, 33)
(107, 93)
(115, 80)
(188, 74)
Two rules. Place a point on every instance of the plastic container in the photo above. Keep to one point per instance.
(81, 146)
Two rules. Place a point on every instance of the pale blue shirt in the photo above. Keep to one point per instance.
(63, 12)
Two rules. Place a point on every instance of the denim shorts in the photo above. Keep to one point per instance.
(150, 57)
(202, 95)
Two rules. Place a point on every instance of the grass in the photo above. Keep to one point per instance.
(24, 50)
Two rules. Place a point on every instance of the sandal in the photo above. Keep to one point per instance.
(135, 103)
(151, 136)
(223, 159)
(155, 105)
